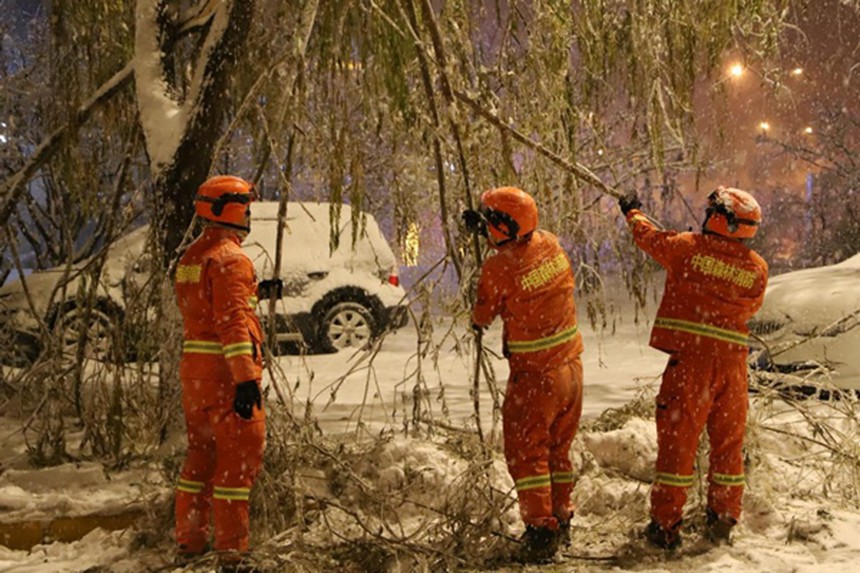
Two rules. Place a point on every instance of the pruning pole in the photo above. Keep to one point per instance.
(578, 170)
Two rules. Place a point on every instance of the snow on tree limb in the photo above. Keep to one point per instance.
(164, 117)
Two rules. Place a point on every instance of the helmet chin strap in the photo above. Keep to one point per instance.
(230, 226)
(524, 239)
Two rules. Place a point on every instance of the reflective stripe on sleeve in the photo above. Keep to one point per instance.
(238, 349)
(562, 477)
(702, 330)
(520, 346)
(207, 347)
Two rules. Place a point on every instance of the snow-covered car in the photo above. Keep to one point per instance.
(810, 320)
(330, 298)
(52, 300)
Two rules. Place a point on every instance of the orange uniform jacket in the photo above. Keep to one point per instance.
(713, 286)
(531, 286)
(222, 331)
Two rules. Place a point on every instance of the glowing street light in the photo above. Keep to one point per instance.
(796, 72)
(764, 126)
(808, 130)
(734, 72)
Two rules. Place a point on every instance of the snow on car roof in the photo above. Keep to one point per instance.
(850, 262)
(320, 212)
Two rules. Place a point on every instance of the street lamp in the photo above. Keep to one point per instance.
(735, 71)
(764, 126)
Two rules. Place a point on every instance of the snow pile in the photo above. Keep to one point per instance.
(97, 551)
(410, 489)
(67, 490)
(632, 450)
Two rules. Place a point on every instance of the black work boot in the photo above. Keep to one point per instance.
(539, 545)
(186, 555)
(239, 567)
(719, 528)
(668, 539)
(237, 563)
(563, 533)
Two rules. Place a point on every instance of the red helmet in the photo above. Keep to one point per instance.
(510, 213)
(732, 213)
(224, 199)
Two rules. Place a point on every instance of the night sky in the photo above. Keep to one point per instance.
(826, 47)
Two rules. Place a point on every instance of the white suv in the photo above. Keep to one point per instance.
(334, 298)
(331, 298)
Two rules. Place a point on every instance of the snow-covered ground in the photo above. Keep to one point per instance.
(615, 366)
(800, 506)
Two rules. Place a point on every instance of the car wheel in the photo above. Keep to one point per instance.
(97, 324)
(346, 324)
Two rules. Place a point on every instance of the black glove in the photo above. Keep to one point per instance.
(247, 394)
(477, 327)
(474, 222)
(266, 288)
(629, 202)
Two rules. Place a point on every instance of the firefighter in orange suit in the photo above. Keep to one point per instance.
(530, 283)
(714, 284)
(220, 370)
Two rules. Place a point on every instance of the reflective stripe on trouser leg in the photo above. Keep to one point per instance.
(726, 427)
(193, 491)
(562, 487)
(534, 495)
(562, 432)
(239, 445)
(192, 510)
(533, 402)
(683, 403)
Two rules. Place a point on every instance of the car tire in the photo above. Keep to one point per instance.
(346, 324)
(99, 331)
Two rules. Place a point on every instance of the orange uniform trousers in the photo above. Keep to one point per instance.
(540, 416)
(704, 386)
(225, 454)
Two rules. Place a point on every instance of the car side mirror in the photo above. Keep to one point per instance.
(269, 288)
